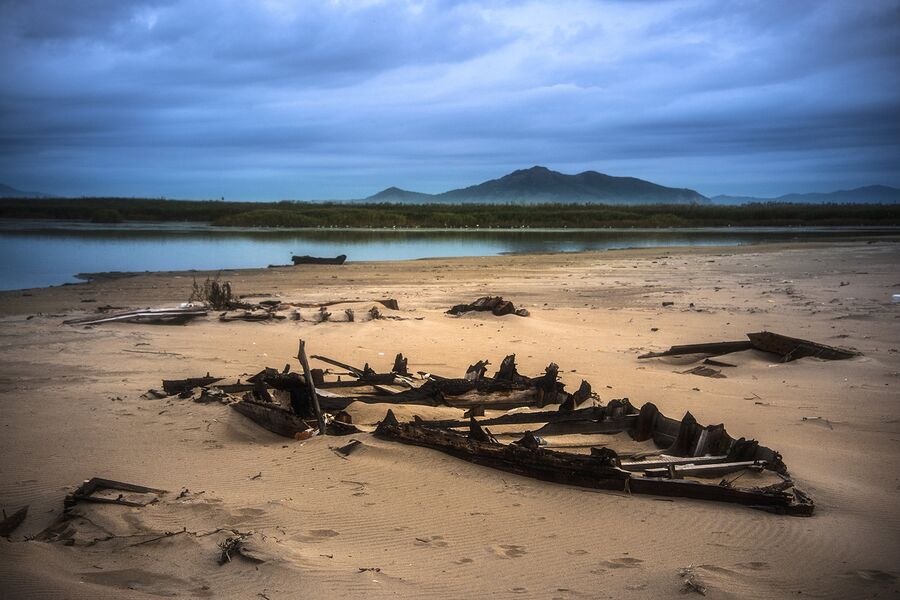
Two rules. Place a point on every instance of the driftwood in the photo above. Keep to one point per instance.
(787, 347)
(315, 260)
(606, 420)
(177, 386)
(495, 304)
(713, 349)
(158, 316)
(251, 315)
(11, 522)
(283, 421)
(310, 386)
(364, 375)
(86, 491)
(599, 470)
(704, 372)
(793, 348)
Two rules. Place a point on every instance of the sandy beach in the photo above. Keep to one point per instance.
(393, 520)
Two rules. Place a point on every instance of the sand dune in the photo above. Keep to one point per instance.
(400, 521)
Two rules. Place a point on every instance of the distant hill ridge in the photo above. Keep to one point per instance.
(542, 185)
(870, 194)
(11, 192)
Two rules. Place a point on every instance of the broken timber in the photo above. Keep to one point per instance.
(310, 386)
(787, 347)
(10, 523)
(174, 316)
(792, 348)
(176, 386)
(713, 349)
(87, 490)
(496, 305)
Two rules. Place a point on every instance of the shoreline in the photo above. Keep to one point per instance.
(91, 277)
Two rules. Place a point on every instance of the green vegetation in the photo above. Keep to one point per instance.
(334, 214)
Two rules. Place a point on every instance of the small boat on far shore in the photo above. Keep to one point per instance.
(315, 260)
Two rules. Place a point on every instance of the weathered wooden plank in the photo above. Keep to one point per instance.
(793, 348)
(711, 349)
(703, 470)
(663, 463)
(272, 417)
(301, 355)
(176, 386)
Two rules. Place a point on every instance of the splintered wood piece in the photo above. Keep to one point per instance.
(10, 523)
(357, 372)
(712, 349)
(176, 386)
(793, 348)
(307, 375)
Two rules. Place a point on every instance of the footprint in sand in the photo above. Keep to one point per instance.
(508, 550)
(435, 541)
(626, 562)
(316, 535)
(464, 561)
(874, 575)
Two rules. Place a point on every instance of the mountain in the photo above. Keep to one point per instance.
(11, 192)
(541, 185)
(870, 194)
(397, 196)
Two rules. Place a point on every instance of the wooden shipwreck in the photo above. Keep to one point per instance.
(656, 454)
(687, 442)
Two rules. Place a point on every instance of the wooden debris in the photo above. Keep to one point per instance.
(177, 386)
(310, 386)
(234, 545)
(711, 349)
(787, 347)
(793, 348)
(495, 304)
(153, 316)
(90, 491)
(717, 363)
(690, 581)
(348, 449)
(251, 315)
(704, 372)
(11, 522)
(599, 470)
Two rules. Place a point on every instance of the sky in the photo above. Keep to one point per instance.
(291, 99)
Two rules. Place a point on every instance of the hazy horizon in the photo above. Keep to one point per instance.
(287, 100)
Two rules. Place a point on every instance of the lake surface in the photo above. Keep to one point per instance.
(43, 253)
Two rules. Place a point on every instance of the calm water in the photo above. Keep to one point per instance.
(42, 253)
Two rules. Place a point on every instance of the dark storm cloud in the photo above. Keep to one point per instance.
(284, 98)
